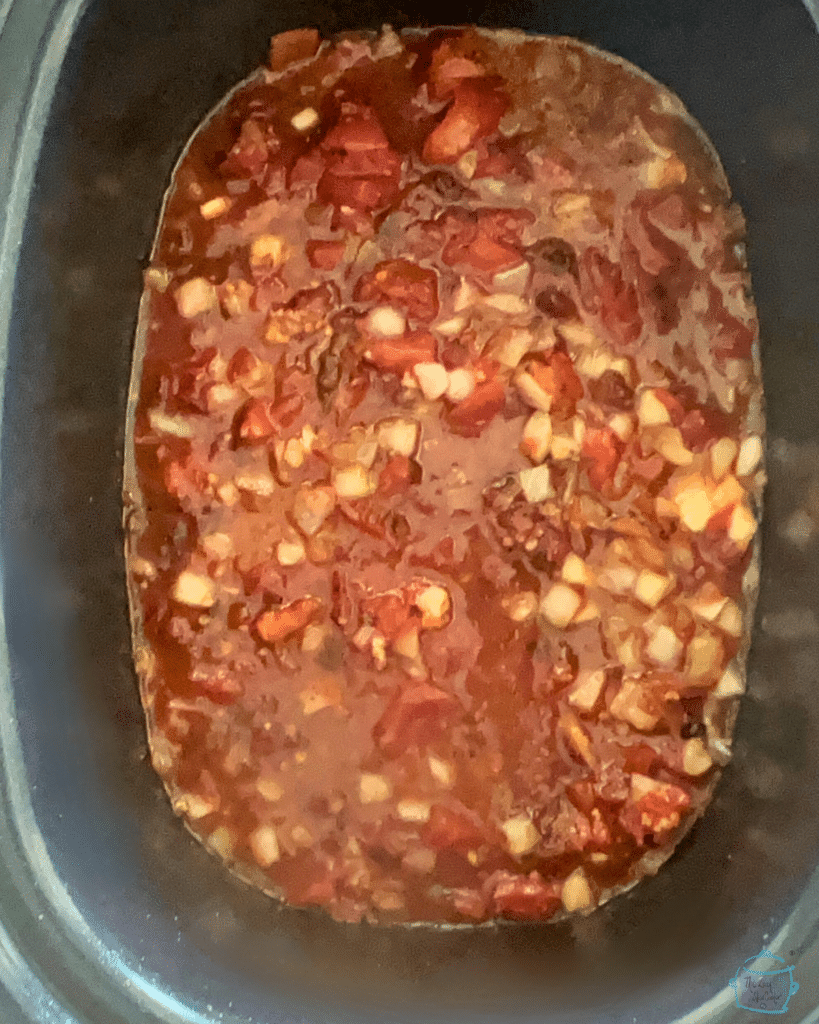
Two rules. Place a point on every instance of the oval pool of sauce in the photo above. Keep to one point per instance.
(443, 476)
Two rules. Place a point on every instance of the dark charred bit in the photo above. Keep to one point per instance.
(552, 256)
(554, 303)
(447, 187)
(334, 360)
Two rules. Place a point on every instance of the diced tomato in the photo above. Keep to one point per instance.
(602, 448)
(556, 171)
(415, 715)
(242, 363)
(656, 813)
(457, 245)
(308, 169)
(289, 47)
(470, 417)
(319, 893)
(606, 292)
(621, 315)
(451, 72)
(468, 902)
(257, 421)
(703, 425)
(582, 795)
(488, 242)
(395, 477)
(718, 559)
(324, 255)
(455, 227)
(675, 407)
(403, 284)
(571, 829)
(641, 758)
(356, 133)
(493, 163)
(698, 424)
(485, 254)
(476, 110)
(396, 355)
(669, 214)
(281, 623)
(185, 478)
(448, 828)
(443, 554)
(453, 136)
(389, 612)
(358, 193)
(251, 152)
(558, 378)
(361, 170)
(505, 224)
(523, 897)
(720, 521)
(485, 368)
(261, 419)
(310, 881)
(448, 67)
(222, 685)
(648, 468)
(736, 340)
(455, 354)
(366, 163)
(191, 386)
(319, 300)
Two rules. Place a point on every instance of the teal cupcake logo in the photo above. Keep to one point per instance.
(762, 985)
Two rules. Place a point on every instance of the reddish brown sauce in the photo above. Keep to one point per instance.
(447, 444)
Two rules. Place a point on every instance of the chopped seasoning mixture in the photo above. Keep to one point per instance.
(443, 478)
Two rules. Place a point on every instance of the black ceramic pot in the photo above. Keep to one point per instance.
(110, 913)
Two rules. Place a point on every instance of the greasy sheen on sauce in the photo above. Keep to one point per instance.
(443, 476)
